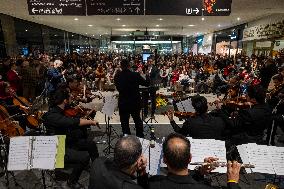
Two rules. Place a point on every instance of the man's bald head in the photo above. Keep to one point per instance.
(127, 151)
(176, 150)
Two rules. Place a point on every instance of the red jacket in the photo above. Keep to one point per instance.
(14, 80)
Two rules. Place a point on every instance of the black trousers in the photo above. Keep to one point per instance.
(78, 160)
(152, 95)
(87, 145)
(124, 119)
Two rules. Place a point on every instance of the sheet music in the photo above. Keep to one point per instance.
(19, 152)
(266, 159)
(110, 104)
(203, 148)
(44, 152)
(185, 106)
(155, 156)
(277, 156)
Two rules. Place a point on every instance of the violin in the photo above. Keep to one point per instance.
(184, 115)
(78, 112)
(9, 127)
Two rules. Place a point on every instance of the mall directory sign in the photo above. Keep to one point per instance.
(131, 7)
(115, 7)
(57, 7)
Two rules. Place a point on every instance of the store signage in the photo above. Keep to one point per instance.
(264, 31)
(217, 7)
(130, 7)
(57, 7)
(115, 7)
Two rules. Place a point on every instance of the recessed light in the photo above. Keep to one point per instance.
(26, 30)
(86, 33)
(202, 18)
(123, 25)
(76, 19)
(238, 18)
(191, 25)
(93, 35)
(160, 19)
(157, 25)
(219, 25)
(90, 25)
(118, 19)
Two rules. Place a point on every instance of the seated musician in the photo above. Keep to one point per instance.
(249, 124)
(78, 148)
(119, 172)
(203, 125)
(100, 77)
(6, 100)
(177, 156)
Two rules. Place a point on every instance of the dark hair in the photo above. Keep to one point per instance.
(257, 92)
(278, 77)
(200, 104)
(127, 151)
(177, 157)
(59, 96)
(124, 64)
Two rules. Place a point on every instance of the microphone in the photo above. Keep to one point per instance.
(152, 137)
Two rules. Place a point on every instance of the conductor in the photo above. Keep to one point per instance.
(129, 102)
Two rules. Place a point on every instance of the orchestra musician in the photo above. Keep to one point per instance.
(201, 126)
(100, 77)
(79, 150)
(248, 125)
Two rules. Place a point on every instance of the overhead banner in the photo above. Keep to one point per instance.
(57, 7)
(130, 7)
(174, 7)
(115, 7)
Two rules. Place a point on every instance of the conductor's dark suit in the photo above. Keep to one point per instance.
(129, 103)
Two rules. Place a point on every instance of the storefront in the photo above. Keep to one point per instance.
(228, 42)
(264, 36)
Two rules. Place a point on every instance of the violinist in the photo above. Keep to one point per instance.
(100, 77)
(275, 99)
(204, 125)
(78, 148)
(248, 125)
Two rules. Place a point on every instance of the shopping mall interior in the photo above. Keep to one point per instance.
(200, 83)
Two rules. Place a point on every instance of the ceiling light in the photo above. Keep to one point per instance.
(90, 25)
(238, 18)
(191, 25)
(118, 19)
(93, 35)
(219, 25)
(26, 30)
(123, 25)
(157, 25)
(86, 33)
(76, 19)
(160, 19)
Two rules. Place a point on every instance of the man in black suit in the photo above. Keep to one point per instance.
(177, 156)
(152, 74)
(129, 103)
(119, 172)
(201, 126)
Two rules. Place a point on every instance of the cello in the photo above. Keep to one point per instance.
(9, 127)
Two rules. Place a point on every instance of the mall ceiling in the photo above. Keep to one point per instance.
(242, 11)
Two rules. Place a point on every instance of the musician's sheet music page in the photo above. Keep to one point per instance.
(155, 156)
(110, 104)
(44, 152)
(188, 106)
(244, 156)
(202, 148)
(261, 158)
(19, 152)
(277, 156)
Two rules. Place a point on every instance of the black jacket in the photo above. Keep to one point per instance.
(57, 123)
(127, 84)
(105, 175)
(180, 182)
(202, 127)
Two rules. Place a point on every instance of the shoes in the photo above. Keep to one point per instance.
(75, 185)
